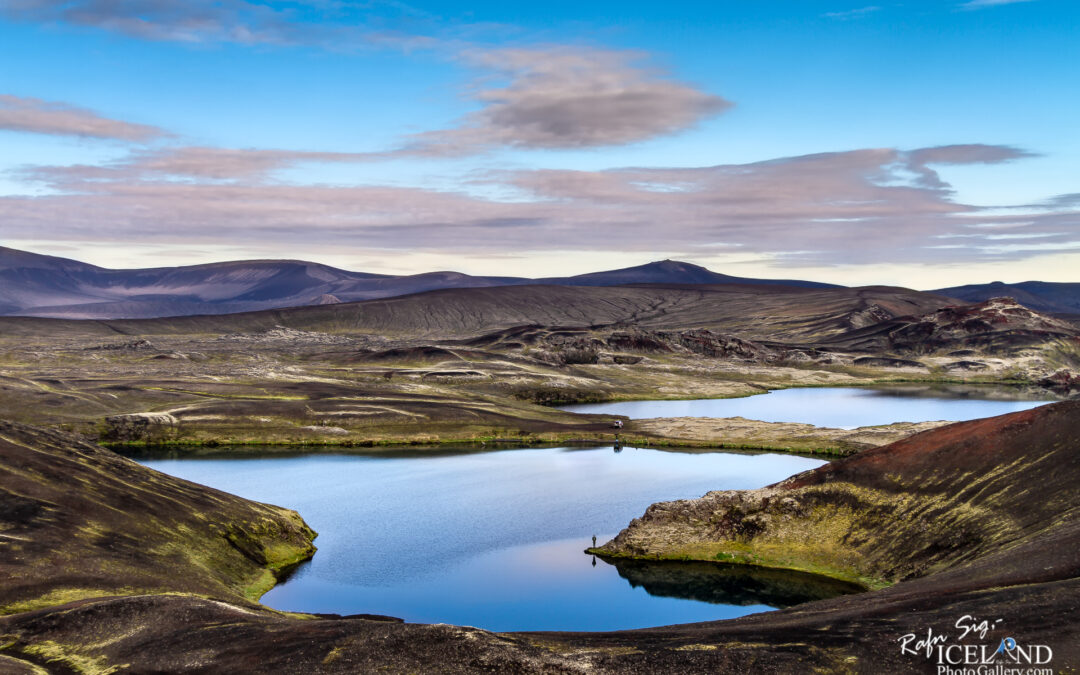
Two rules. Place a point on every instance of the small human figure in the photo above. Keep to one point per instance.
(594, 541)
(617, 424)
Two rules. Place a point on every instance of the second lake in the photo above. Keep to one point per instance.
(837, 407)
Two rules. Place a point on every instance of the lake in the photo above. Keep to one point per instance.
(495, 539)
(838, 407)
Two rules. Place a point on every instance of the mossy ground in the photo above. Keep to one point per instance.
(313, 396)
(70, 534)
(907, 510)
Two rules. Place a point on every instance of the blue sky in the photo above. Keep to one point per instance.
(917, 143)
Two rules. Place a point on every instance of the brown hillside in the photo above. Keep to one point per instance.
(980, 517)
(79, 521)
(773, 312)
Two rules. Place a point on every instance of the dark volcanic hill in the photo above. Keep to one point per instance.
(36, 285)
(1038, 295)
(999, 325)
(79, 521)
(671, 272)
(47, 286)
(756, 311)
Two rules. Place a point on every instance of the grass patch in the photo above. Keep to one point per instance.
(62, 596)
(68, 655)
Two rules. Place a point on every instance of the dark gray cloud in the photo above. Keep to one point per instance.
(562, 97)
(36, 116)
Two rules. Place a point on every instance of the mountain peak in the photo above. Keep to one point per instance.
(674, 265)
(39, 285)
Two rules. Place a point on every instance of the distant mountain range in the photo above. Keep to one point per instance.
(48, 286)
(1042, 296)
(758, 311)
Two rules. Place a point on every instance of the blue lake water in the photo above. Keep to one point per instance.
(838, 407)
(496, 539)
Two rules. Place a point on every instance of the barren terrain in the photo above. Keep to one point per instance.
(113, 567)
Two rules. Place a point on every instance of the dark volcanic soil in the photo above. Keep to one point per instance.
(773, 312)
(77, 520)
(996, 326)
(989, 528)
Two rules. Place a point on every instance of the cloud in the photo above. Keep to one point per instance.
(554, 98)
(188, 163)
(852, 13)
(563, 97)
(34, 115)
(328, 24)
(917, 162)
(968, 154)
(1071, 200)
(540, 97)
(227, 163)
(194, 21)
(979, 4)
(860, 206)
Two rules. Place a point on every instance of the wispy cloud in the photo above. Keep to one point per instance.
(36, 116)
(327, 24)
(170, 20)
(852, 13)
(858, 206)
(537, 97)
(540, 98)
(190, 163)
(979, 4)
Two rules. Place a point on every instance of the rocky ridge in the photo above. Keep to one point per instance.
(996, 326)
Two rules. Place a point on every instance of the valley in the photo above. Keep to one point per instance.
(482, 370)
(483, 365)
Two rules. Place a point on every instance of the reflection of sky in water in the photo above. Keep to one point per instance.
(545, 586)
(844, 408)
(487, 539)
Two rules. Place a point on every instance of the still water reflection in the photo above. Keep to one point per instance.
(495, 539)
(838, 407)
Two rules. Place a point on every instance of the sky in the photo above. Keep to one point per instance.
(920, 144)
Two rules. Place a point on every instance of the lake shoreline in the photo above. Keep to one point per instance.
(126, 433)
(1037, 600)
(718, 434)
(494, 540)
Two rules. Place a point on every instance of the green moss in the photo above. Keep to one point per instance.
(62, 596)
(67, 655)
(260, 586)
